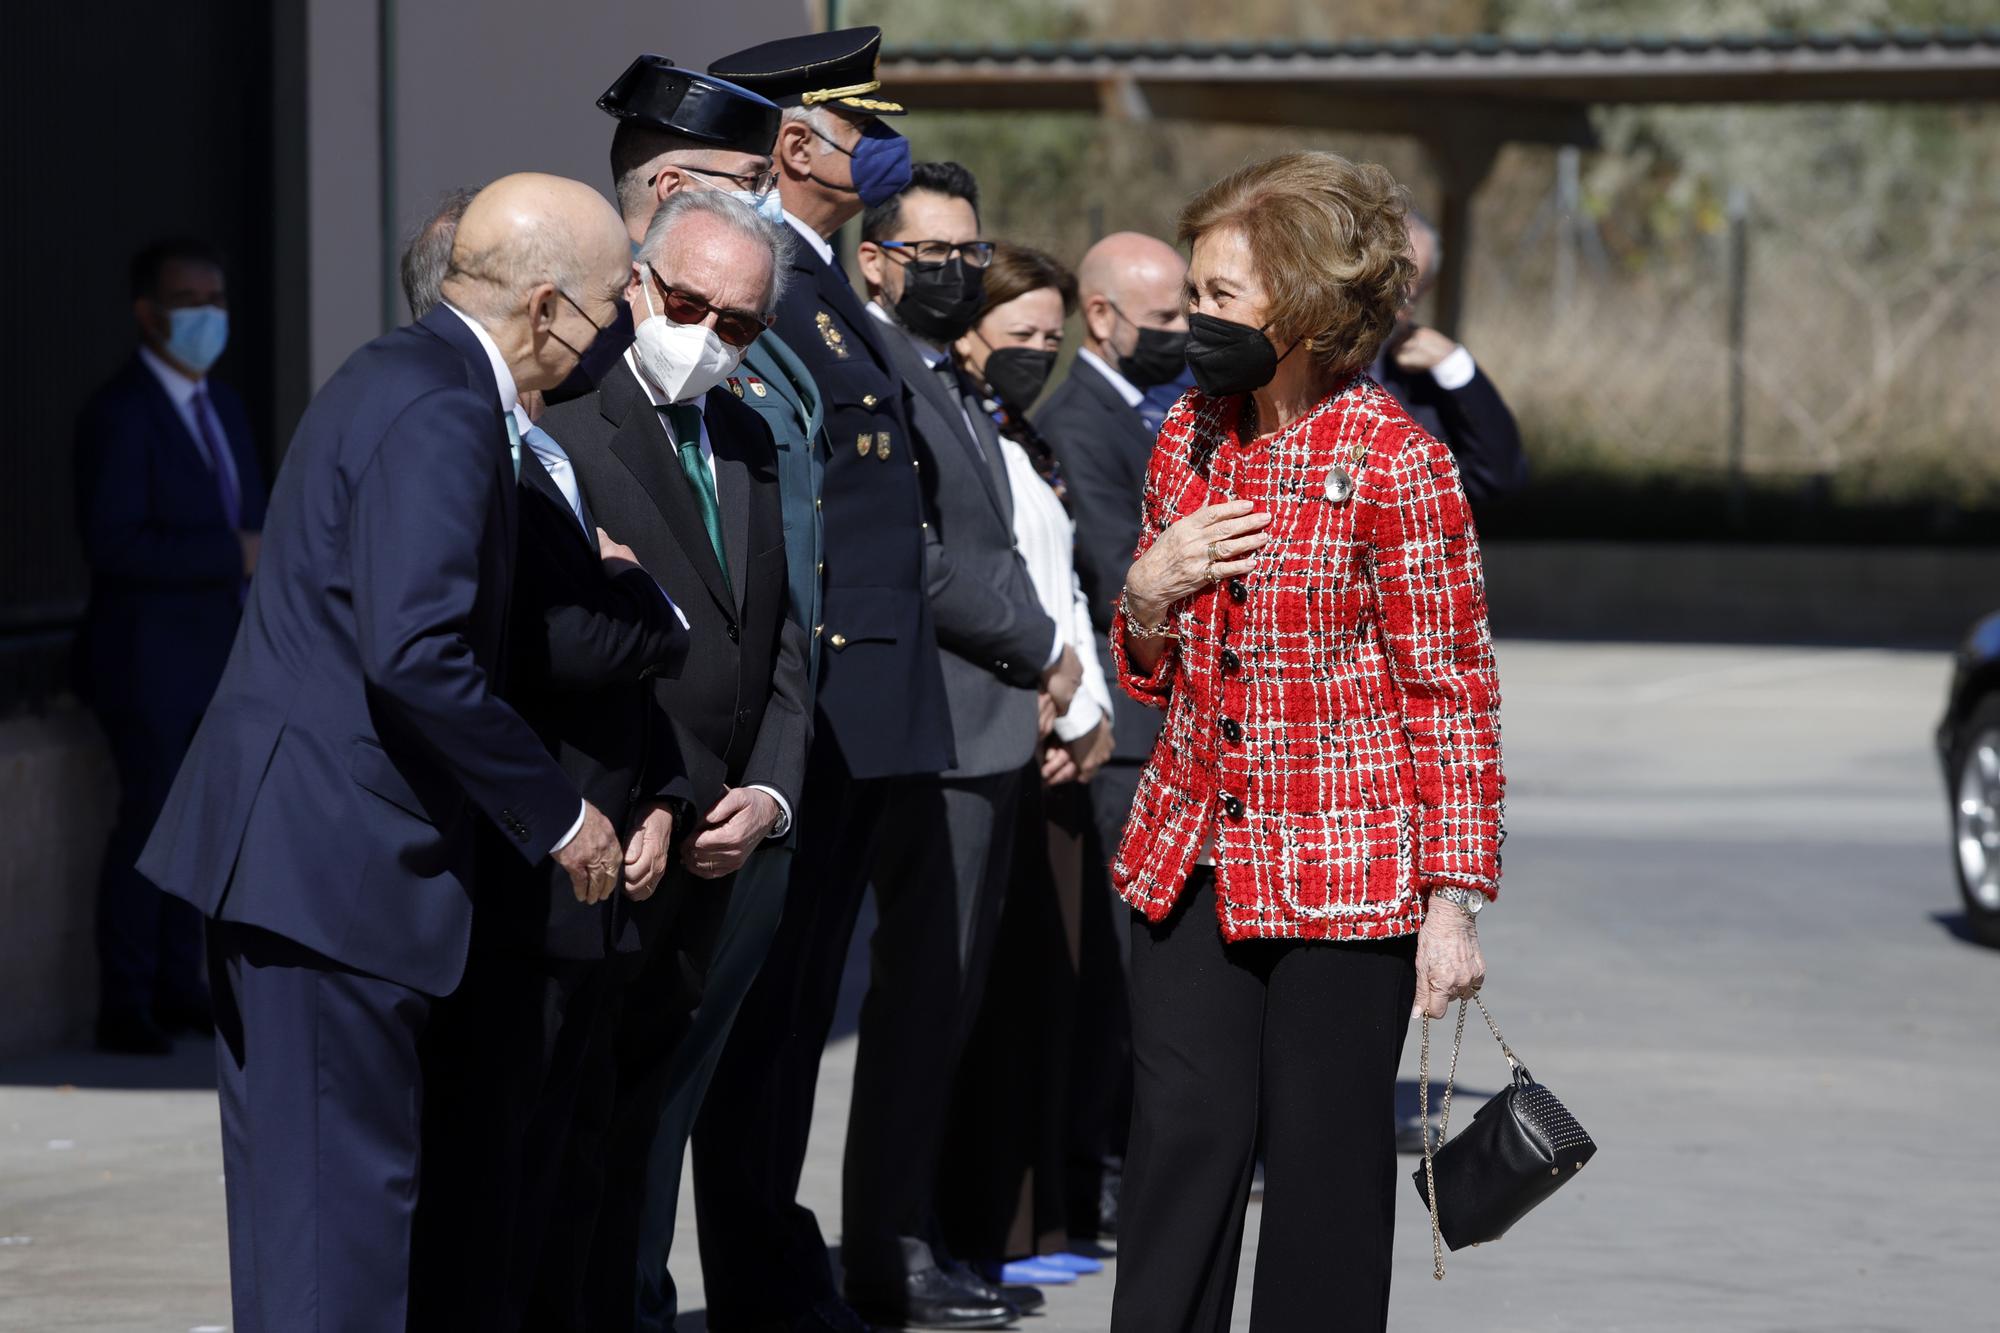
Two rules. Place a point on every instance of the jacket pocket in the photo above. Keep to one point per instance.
(372, 770)
(1345, 862)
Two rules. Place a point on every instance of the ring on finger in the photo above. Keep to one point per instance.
(1214, 552)
(1208, 572)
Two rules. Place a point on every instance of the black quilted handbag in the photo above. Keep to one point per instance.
(1519, 1149)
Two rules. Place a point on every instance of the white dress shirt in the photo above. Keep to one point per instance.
(181, 392)
(659, 400)
(1046, 535)
(510, 403)
(1455, 371)
(1127, 390)
(820, 245)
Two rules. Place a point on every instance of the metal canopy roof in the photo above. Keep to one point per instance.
(1533, 89)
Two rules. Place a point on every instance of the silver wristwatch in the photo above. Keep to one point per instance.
(1471, 900)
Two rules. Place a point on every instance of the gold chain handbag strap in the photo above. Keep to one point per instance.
(1444, 1116)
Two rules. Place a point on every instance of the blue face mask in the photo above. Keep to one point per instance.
(199, 333)
(768, 205)
(881, 163)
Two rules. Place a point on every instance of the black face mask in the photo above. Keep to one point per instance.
(939, 302)
(1156, 360)
(1016, 375)
(598, 358)
(1230, 358)
(1158, 357)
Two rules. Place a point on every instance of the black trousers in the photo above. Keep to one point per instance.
(1293, 1043)
(148, 943)
(321, 1097)
(651, 1017)
(512, 1061)
(940, 883)
(1100, 1107)
(762, 1256)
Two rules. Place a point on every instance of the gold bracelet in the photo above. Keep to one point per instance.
(1137, 628)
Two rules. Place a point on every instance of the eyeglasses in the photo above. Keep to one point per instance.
(936, 254)
(738, 328)
(756, 182)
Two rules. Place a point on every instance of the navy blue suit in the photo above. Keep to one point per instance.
(1472, 421)
(325, 816)
(166, 588)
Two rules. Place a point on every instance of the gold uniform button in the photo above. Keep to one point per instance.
(818, 630)
(869, 400)
(838, 641)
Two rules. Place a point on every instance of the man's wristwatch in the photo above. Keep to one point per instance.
(1471, 901)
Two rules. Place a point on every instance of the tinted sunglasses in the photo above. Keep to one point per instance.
(738, 328)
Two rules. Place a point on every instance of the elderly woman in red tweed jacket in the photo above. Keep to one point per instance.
(1321, 820)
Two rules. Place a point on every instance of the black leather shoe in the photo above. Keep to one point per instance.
(131, 1034)
(1024, 1298)
(932, 1299)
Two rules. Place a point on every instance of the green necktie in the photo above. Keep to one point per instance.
(513, 443)
(686, 422)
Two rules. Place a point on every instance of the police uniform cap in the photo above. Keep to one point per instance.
(835, 69)
(654, 92)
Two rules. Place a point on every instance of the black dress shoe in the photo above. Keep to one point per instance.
(1022, 1297)
(131, 1034)
(932, 1299)
(195, 1017)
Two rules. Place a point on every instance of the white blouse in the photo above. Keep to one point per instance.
(1047, 537)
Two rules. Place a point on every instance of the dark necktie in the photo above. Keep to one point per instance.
(215, 451)
(685, 419)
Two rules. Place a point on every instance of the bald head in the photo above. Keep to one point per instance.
(541, 262)
(1129, 281)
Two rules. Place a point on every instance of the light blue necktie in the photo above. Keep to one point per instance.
(513, 443)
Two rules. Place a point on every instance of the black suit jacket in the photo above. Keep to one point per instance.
(1104, 449)
(991, 627)
(738, 709)
(1472, 421)
(166, 569)
(881, 687)
(584, 646)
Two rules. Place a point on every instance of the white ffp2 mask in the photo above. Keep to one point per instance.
(682, 361)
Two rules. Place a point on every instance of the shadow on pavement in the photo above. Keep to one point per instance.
(1959, 927)
(191, 1067)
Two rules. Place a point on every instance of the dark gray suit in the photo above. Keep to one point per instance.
(739, 713)
(932, 947)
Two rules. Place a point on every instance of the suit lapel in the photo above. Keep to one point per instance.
(732, 485)
(988, 432)
(168, 419)
(445, 325)
(537, 478)
(955, 410)
(644, 447)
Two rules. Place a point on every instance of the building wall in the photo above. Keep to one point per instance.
(258, 124)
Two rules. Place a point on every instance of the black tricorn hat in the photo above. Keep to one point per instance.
(654, 91)
(834, 69)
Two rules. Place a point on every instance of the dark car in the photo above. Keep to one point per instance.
(1968, 741)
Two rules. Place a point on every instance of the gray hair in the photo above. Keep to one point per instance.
(776, 238)
(427, 252)
(819, 119)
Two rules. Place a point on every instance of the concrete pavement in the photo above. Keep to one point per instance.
(1725, 938)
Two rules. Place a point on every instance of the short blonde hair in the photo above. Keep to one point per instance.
(1329, 242)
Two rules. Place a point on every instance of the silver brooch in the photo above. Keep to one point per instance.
(1339, 485)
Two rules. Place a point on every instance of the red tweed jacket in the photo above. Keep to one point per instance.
(1333, 716)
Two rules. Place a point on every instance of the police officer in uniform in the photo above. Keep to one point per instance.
(882, 715)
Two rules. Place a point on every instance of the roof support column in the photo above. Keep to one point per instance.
(1461, 160)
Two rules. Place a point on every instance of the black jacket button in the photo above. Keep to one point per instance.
(735, 634)
(1231, 730)
(1232, 807)
(1239, 591)
(1230, 661)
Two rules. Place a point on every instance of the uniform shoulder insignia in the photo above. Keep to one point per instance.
(835, 340)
